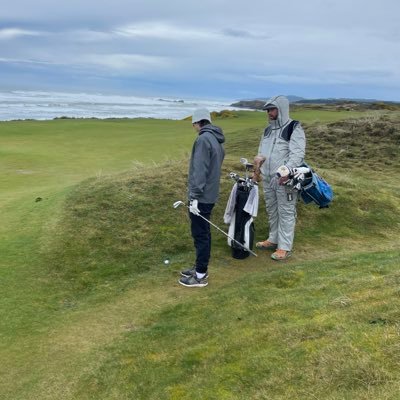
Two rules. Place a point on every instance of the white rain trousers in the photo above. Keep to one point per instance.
(281, 209)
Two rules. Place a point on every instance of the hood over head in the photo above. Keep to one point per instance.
(282, 104)
(214, 130)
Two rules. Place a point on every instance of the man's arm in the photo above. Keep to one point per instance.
(297, 147)
(201, 165)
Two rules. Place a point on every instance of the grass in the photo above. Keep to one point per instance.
(91, 312)
(250, 338)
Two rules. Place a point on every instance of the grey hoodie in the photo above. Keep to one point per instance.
(205, 165)
(275, 144)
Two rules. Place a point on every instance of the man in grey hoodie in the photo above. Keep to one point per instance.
(203, 190)
(282, 146)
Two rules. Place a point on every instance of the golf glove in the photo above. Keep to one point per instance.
(193, 208)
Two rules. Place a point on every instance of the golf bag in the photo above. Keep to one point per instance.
(316, 189)
(241, 227)
(312, 187)
(242, 206)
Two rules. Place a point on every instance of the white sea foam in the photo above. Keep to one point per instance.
(42, 105)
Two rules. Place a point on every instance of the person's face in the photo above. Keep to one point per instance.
(196, 127)
(272, 114)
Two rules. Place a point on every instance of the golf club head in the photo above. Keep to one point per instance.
(301, 170)
(178, 203)
(243, 161)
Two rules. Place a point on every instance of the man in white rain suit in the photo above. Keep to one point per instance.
(282, 145)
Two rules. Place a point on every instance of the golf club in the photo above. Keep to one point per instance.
(181, 203)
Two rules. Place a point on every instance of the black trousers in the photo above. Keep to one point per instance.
(201, 234)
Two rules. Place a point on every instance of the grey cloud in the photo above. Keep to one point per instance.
(365, 72)
(240, 33)
(131, 63)
(12, 33)
(94, 14)
(25, 61)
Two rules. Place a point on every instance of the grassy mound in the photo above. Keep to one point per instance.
(116, 227)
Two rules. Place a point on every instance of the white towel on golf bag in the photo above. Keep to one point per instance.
(251, 206)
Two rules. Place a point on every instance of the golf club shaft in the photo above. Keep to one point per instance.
(216, 227)
(240, 244)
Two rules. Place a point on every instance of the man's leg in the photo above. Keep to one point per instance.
(201, 234)
(271, 204)
(287, 202)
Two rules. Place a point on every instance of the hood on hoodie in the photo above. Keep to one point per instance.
(214, 130)
(282, 104)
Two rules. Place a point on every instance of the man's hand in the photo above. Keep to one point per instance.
(193, 207)
(283, 171)
(283, 180)
(284, 175)
(258, 161)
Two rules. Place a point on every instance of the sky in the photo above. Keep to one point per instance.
(213, 49)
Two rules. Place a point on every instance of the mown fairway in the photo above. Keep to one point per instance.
(89, 310)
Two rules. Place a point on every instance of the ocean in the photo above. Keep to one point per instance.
(41, 105)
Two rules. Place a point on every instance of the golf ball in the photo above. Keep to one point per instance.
(166, 261)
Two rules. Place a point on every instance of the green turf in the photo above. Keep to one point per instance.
(89, 310)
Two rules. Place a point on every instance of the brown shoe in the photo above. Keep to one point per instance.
(280, 255)
(266, 245)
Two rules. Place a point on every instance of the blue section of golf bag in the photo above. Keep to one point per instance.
(317, 190)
